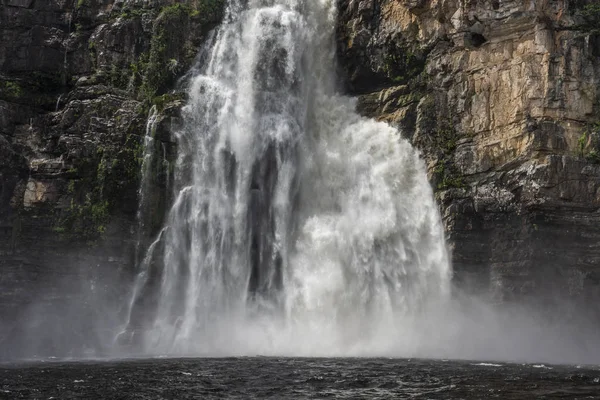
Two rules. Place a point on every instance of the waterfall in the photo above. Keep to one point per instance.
(297, 226)
(146, 176)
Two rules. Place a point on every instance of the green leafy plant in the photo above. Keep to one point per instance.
(448, 177)
(590, 15)
(11, 89)
(588, 143)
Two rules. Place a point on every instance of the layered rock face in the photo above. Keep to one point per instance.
(502, 98)
(77, 81)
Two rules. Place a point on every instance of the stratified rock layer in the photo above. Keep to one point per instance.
(502, 99)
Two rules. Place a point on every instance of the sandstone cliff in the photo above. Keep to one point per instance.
(502, 98)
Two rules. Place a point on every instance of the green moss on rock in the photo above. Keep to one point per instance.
(10, 89)
(590, 13)
(169, 52)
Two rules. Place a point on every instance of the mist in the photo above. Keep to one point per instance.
(469, 327)
(466, 327)
(298, 228)
(74, 312)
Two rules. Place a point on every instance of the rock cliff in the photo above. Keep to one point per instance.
(502, 99)
(77, 81)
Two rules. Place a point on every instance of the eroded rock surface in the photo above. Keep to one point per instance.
(502, 99)
(77, 81)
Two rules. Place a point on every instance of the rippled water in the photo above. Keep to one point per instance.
(257, 377)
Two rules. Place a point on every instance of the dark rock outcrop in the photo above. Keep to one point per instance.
(77, 81)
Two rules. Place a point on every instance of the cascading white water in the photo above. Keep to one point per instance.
(297, 226)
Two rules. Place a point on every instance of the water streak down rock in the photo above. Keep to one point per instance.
(297, 226)
(77, 79)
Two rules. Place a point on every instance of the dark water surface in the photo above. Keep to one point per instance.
(288, 378)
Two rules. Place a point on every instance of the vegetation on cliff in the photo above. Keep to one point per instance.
(85, 102)
(590, 15)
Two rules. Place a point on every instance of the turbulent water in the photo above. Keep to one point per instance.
(260, 378)
(297, 227)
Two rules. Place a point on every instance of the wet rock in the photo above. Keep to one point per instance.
(77, 80)
(501, 97)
